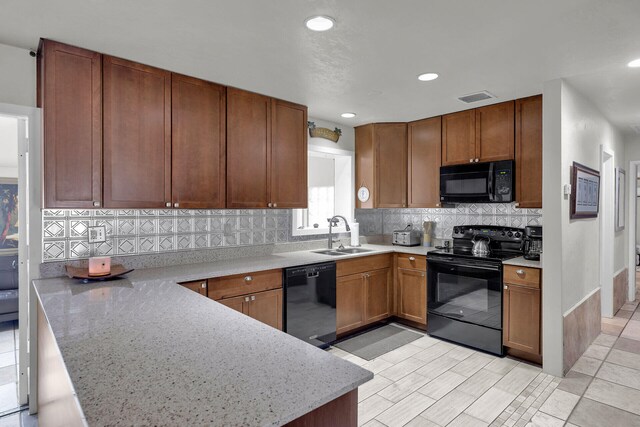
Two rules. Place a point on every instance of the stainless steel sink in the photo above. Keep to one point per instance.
(329, 252)
(353, 250)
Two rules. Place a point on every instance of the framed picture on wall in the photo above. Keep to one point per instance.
(585, 196)
(621, 177)
(8, 213)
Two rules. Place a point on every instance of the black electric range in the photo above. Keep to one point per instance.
(464, 291)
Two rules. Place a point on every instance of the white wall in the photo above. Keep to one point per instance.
(17, 76)
(584, 129)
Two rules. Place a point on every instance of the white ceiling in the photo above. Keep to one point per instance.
(369, 62)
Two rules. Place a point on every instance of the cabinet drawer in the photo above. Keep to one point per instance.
(522, 276)
(242, 284)
(413, 262)
(362, 264)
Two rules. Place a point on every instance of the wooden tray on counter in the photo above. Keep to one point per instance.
(82, 273)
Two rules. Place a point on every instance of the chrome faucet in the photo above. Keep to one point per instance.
(332, 220)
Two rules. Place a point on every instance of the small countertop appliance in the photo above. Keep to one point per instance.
(532, 242)
(406, 237)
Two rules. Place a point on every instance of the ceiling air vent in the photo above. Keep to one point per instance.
(636, 128)
(475, 97)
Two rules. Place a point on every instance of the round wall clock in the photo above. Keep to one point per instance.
(363, 194)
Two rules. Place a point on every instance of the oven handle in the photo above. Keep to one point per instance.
(490, 182)
(455, 264)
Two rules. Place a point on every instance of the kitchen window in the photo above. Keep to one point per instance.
(330, 192)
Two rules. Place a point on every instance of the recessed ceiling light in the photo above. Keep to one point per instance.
(634, 64)
(427, 76)
(348, 115)
(319, 23)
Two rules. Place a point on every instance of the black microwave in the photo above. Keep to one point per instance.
(491, 182)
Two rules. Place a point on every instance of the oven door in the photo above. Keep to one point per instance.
(467, 183)
(465, 290)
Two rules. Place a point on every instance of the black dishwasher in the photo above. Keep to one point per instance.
(310, 303)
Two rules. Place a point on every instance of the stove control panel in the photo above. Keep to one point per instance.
(508, 234)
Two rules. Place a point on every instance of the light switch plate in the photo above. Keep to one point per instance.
(97, 234)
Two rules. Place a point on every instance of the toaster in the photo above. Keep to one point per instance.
(406, 237)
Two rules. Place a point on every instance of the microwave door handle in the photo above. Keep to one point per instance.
(490, 183)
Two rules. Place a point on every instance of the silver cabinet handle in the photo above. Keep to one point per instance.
(14, 264)
(248, 278)
(506, 287)
(96, 204)
(412, 258)
(246, 299)
(176, 205)
(437, 205)
(470, 160)
(168, 204)
(269, 204)
(203, 285)
(516, 204)
(520, 272)
(253, 297)
(477, 160)
(275, 205)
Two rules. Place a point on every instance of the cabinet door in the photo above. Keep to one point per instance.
(70, 93)
(379, 299)
(198, 124)
(137, 135)
(424, 159)
(412, 295)
(495, 132)
(349, 302)
(459, 138)
(521, 313)
(288, 187)
(237, 303)
(391, 165)
(199, 286)
(529, 152)
(266, 307)
(248, 142)
(365, 173)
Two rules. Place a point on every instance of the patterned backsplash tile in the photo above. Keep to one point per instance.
(136, 232)
(385, 221)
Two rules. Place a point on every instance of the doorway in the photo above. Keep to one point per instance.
(19, 217)
(607, 185)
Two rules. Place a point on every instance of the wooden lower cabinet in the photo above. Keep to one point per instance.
(263, 306)
(199, 286)
(363, 298)
(379, 299)
(522, 313)
(412, 295)
(349, 302)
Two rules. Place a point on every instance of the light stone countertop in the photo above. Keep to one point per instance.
(521, 262)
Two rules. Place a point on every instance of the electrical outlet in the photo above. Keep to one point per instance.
(97, 234)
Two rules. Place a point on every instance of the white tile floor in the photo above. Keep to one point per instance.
(8, 366)
(429, 382)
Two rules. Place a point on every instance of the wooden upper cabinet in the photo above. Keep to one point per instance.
(137, 135)
(70, 94)
(423, 163)
(365, 165)
(459, 138)
(198, 139)
(248, 143)
(495, 132)
(381, 164)
(288, 167)
(529, 152)
(391, 165)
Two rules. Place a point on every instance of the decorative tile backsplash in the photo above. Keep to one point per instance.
(385, 221)
(136, 232)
